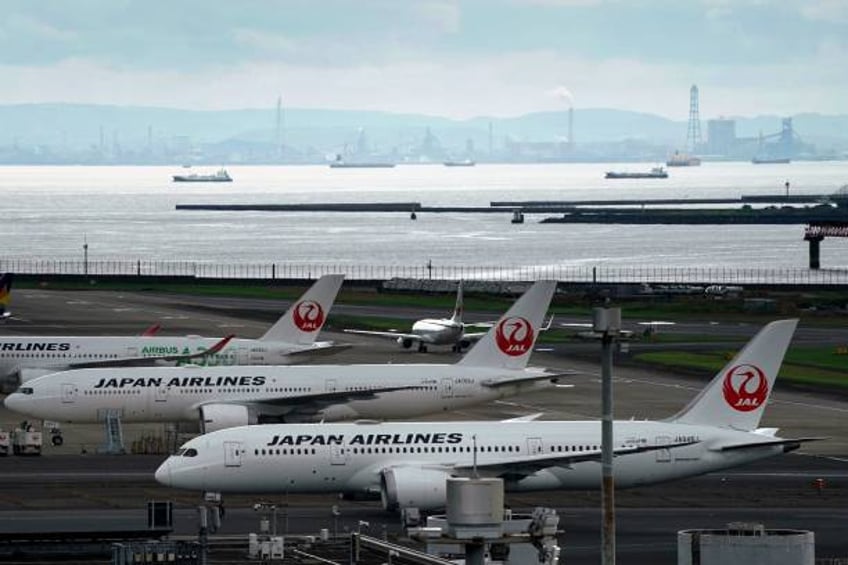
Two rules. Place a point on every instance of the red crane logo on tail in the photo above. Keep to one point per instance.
(745, 388)
(308, 316)
(514, 336)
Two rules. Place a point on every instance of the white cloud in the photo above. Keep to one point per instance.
(29, 26)
(263, 41)
(505, 85)
(444, 15)
(825, 10)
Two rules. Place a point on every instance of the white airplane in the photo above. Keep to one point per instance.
(5, 295)
(220, 397)
(407, 464)
(23, 358)
(436, 331)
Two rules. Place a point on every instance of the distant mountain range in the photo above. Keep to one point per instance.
(71, 128)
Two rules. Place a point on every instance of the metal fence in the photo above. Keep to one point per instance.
(506, 273)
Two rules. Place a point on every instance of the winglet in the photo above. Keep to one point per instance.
(527, 418)
(215, 349)
(152, 330)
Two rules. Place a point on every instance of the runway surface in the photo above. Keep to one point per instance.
(64, 487)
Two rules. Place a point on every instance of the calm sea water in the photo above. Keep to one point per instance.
(128, 213)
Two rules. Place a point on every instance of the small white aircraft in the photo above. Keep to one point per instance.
(437, 331)
(220, 397)
(23, 358)
(407, 464)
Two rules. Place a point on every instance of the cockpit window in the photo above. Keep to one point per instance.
(190, 452)
(25, 390)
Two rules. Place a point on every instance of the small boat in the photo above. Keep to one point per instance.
(770, 160)
(340, 163)
(463, 163)
(654, 173)
(221, 176)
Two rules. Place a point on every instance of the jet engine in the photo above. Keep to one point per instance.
(404, 487)
(404, 342)
(219, 416)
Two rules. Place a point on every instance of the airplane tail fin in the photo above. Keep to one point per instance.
(509, 343)
(304, 319)
(458, 309)
(738, 394)
(5, 294)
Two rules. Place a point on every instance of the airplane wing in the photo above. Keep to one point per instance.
(313, 403)
(153, 360)
(517, 468)
(553, 377)
(790, 444)
(325, 348)
(392, 335)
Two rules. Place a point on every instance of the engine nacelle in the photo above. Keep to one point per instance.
(405, 487)
(219, 416)
(404, 342)
(9, 383)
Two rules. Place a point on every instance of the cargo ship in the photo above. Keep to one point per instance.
(654, 173)
(221, 176)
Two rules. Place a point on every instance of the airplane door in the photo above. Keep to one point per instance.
(338, 455)
(446, 388)
(243, 356)
(161, 394)
(663, 455)
(330, 385)
(132, 352)
(69, 393)
(232, 453)
(534, 446)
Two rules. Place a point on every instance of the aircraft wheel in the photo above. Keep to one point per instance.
(57, 440)
(422, 348)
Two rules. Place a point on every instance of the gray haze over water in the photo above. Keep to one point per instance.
(128, 213)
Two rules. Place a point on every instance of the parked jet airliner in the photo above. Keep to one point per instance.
(407, 464)
(24, 358)
(222, 397)
(436, 331)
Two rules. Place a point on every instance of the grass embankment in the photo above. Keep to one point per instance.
(822, 367)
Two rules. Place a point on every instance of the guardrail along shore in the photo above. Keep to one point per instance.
(505, 273)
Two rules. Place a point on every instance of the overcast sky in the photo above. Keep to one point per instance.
(454, 58)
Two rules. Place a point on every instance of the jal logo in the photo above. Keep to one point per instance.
(514, 336)
(308, 316)
(745, 388)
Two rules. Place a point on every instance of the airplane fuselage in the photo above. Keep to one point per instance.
(352, 458)
(30, 357)
(438, 332)
(176, 394)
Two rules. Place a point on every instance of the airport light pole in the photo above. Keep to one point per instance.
(607, 323)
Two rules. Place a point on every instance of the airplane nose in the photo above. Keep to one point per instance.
(14, 402)
(163, 473)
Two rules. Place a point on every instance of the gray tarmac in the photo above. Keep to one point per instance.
(65, 485)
